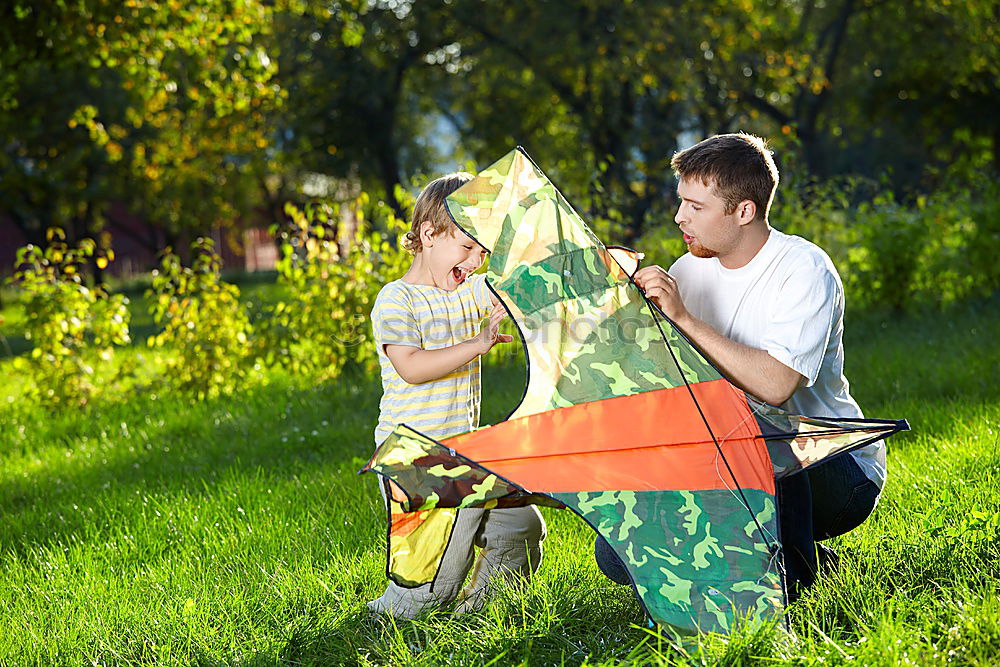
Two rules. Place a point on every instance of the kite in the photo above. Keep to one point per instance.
(623, 421)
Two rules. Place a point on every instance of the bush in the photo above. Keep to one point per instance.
(74, 328)
(892, 240)
(204, 324)
(934, 250)
(324, 323)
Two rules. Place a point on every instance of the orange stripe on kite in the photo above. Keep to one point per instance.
(653, 441)
(405, 523)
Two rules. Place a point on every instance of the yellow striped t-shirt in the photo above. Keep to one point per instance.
(430, 318)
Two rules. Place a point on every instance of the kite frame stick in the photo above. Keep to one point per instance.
(742, 497)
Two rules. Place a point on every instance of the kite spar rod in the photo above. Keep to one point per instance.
(743, 498)
(650, 306)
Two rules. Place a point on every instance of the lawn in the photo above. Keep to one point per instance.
(236, 530)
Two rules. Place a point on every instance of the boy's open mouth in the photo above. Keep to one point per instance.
(460, 274)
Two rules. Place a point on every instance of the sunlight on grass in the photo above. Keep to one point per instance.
(156, 530)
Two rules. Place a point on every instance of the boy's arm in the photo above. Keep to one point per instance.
(416, 365)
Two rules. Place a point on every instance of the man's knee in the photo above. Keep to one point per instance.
(520, 525)
(609, 563)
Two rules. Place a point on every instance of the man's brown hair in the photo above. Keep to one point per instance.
(738, 166)
(430, 206)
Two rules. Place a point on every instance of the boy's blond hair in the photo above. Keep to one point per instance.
(430, 206)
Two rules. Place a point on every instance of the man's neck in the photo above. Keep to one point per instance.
(754, 237)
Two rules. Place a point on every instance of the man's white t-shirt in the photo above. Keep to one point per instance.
(789, 301)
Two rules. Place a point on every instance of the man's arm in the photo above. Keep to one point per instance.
(416, 365)
(750, 368)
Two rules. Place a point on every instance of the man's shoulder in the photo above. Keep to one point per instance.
(802, 254)
(805, 267)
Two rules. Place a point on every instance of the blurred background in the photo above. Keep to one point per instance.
(146, 124)
(201, 199)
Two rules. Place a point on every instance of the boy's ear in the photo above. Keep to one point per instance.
(426, 233)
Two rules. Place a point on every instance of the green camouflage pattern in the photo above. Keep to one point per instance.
(433, 475)
(795, 442)
(435, 481)
(589, 333)
(696, 558)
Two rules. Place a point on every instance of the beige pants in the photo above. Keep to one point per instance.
(511, 544)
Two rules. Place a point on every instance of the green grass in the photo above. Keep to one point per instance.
(237, 531)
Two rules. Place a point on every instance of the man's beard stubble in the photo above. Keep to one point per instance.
(698, 250)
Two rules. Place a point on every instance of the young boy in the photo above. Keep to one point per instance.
(425, 330)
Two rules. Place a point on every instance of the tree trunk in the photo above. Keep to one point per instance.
(813, 151)
(996, 148)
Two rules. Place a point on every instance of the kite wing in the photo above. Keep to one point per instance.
(623, 421)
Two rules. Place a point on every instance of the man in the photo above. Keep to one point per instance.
(768, 309)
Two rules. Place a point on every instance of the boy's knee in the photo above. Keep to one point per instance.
(538, 530)
(445, 591)
(533, 529)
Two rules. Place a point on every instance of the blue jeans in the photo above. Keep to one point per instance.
(829, 500)
(819, 503)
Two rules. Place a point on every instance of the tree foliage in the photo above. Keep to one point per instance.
(159, 104)
(331, 279)
(607, 91)
(198, 113)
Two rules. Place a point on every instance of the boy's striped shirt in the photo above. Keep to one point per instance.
(430, 318)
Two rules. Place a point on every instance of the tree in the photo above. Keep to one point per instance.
(352, 112)
(859, 85)
(594, 88)
(158, 104)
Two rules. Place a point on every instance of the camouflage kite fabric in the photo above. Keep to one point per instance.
(623, 421)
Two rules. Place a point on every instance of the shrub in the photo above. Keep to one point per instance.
(205, 327)
(938, 249)
(968, 229)
(74, 328)
(324, 322)
(933, 250)
(893, 239)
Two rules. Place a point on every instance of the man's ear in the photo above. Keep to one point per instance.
(426, 234)
(746, 212)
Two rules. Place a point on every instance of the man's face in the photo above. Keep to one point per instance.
(452, 257)
(708, 230)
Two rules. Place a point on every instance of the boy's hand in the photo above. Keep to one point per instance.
(490, 334)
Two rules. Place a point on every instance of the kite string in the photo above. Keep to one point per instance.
(742, 497)
(731, 491)
(752, 414)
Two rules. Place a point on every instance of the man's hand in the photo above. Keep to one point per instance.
(750, 368)
(490, 334)
(662, 289)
